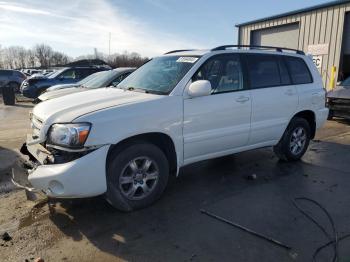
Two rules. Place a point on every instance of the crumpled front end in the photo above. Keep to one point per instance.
(62, 173)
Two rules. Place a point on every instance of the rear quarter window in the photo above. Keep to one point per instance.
(298, 70)
(266, 71)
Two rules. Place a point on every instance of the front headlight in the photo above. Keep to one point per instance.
(69, 135)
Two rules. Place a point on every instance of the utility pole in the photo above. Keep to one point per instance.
(109, 45)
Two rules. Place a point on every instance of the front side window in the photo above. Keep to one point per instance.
(224, 72)
(299, 71)
(160, 75)
(264, 70)
(69, 74)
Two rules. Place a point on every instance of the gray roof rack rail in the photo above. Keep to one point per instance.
(175, 51)
(278, 49)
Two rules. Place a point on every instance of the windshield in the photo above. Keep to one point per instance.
(346, 83)
(88, 78)
(101, 80)
(160, 75)
(54, 74)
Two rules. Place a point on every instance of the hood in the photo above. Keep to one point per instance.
(69, 107)
(60, 92)
(340, 92)
(56, 87)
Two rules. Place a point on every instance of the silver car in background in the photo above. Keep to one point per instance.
(101, 79)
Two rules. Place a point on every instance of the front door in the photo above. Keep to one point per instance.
(217, 124)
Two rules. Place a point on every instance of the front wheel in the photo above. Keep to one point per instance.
(295, 140)
(136, 176)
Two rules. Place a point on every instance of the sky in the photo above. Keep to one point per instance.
(148, 27)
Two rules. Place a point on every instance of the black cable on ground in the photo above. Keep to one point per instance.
(332, 240)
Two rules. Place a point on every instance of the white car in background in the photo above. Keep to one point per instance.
(177, 109)
(99, 80)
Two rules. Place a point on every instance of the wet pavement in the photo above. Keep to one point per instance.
(174, 229)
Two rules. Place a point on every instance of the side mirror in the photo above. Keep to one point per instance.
(199, 88)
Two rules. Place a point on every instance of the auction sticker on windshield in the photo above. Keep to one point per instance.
(187, 59)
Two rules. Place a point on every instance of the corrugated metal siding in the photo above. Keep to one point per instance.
(322, 26)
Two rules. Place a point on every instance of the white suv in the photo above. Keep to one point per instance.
(179, 108)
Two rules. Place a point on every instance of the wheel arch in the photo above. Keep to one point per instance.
(310, 117)
(161, 140)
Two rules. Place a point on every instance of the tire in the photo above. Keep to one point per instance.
(130, 185)
(8, 95)
(297, 130)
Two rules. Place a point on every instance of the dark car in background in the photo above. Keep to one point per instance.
(338, 100)
(10, 81)
(35, 86)
(100, 79)
(12, 78)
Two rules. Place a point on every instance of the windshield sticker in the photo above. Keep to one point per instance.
(187, 59)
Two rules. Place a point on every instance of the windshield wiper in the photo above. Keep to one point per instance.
(147, 91)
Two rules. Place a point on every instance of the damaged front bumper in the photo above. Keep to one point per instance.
(76, 176)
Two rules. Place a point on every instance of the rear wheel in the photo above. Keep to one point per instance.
(136, 176)
(295, 140)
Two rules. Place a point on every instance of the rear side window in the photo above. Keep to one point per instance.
(298, 70)
(266, 71)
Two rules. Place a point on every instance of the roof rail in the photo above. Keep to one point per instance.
(278, 49)
(181, 50)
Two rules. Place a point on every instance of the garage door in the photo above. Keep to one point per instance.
(346, 35)
(282, 36)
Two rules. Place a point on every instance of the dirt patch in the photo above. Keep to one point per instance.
(28, 225)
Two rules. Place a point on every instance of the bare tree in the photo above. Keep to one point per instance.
(43, 53)
(31, 59)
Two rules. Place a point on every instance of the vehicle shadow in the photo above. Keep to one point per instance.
(173, 228)
(342, 121)
(24, 105)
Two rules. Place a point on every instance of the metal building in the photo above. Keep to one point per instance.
(322, 30)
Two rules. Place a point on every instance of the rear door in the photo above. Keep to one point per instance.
(274, 97)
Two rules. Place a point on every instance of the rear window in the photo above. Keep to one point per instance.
(298, 70)
(266, 71)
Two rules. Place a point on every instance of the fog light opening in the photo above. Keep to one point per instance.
(56, 187)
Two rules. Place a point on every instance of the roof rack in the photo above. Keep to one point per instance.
(278, 49)
(175, 51)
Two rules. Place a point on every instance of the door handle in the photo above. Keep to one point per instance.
(242, 99)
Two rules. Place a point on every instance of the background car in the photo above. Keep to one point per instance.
(35, 86)
(339, 100)
(101, 79)
(11, 78)
(80, 83)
